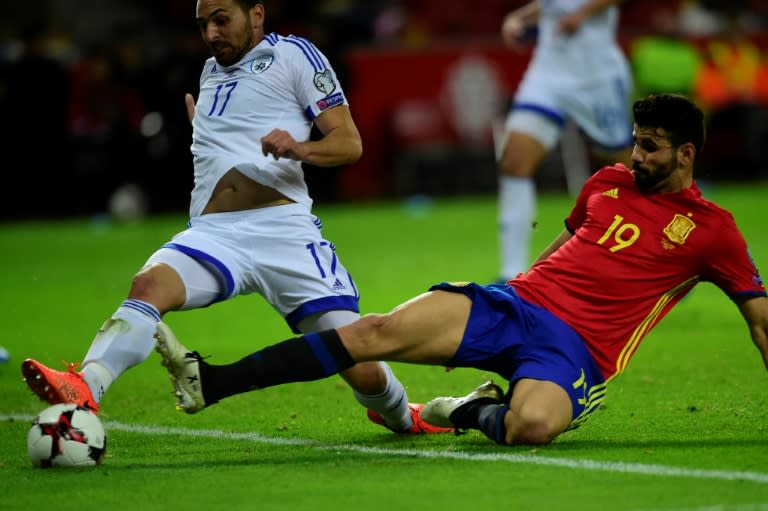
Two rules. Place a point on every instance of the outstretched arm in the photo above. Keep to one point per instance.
(755, 312)
(556, 243)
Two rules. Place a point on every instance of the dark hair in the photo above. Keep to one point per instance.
(676, 114)
(247, 5)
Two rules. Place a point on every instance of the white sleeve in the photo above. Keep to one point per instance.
(316, 85)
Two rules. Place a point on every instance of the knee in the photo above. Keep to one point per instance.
(533, 425)
(144, 284)
(159, 285)
(141, 283)
(369, 328)
(366, 338)
(370, 325)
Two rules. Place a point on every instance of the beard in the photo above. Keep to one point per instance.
(648, 180)
(227, 54)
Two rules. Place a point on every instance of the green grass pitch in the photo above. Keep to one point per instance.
(684, 428)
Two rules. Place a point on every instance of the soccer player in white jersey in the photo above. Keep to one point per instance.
(251, 229)
(579, 74)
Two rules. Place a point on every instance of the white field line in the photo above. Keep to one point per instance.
(528, 459)
(717, 507)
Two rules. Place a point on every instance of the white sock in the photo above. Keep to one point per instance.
(98, 378)
(392, 404)
(125, 340)
(517, 205)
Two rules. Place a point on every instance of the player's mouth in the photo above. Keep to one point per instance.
(220, 50)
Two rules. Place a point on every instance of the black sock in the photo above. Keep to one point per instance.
(311, 357)
(487, 415)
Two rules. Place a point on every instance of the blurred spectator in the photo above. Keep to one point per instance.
(173, 75)
(336, 26)
(34, 99)
(733, 70)
(341, 25)
(106, 112)
(694, 19)
(732, 86)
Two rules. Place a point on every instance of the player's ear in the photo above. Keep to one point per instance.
(257, 16)
(686, 154)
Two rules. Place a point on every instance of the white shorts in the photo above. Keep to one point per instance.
(598, 103)
(278, 252)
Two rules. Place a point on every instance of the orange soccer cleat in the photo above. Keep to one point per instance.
(418, 427)
(57, 387)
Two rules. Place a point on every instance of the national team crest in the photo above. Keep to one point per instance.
(262, 63)
(324, 82)
(679, 229)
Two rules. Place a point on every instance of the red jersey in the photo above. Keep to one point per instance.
(634, 256)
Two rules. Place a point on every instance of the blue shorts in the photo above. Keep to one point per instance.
(517, 339)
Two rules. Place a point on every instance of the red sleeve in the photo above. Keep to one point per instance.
(730, 266)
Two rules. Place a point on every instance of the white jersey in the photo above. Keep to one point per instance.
(598, 32)
(282, 83)
(583, 76)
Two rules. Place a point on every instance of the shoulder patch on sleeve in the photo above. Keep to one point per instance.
(324, 82)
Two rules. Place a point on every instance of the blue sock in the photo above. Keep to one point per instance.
(485, 414)
(491, 422)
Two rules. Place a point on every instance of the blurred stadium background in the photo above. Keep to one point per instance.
(92, 92)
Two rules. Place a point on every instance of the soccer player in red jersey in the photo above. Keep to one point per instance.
(634, 244)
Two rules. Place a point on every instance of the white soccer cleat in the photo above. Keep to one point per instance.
(183, 368)
(438, 411)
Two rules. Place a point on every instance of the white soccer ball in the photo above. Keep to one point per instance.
(66, 435)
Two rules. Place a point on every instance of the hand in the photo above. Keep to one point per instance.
(189, 101)
(513, 32)
(280, 144)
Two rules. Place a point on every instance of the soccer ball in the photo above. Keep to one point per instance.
(66, 435)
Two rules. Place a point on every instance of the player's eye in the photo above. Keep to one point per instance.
(646, 145)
